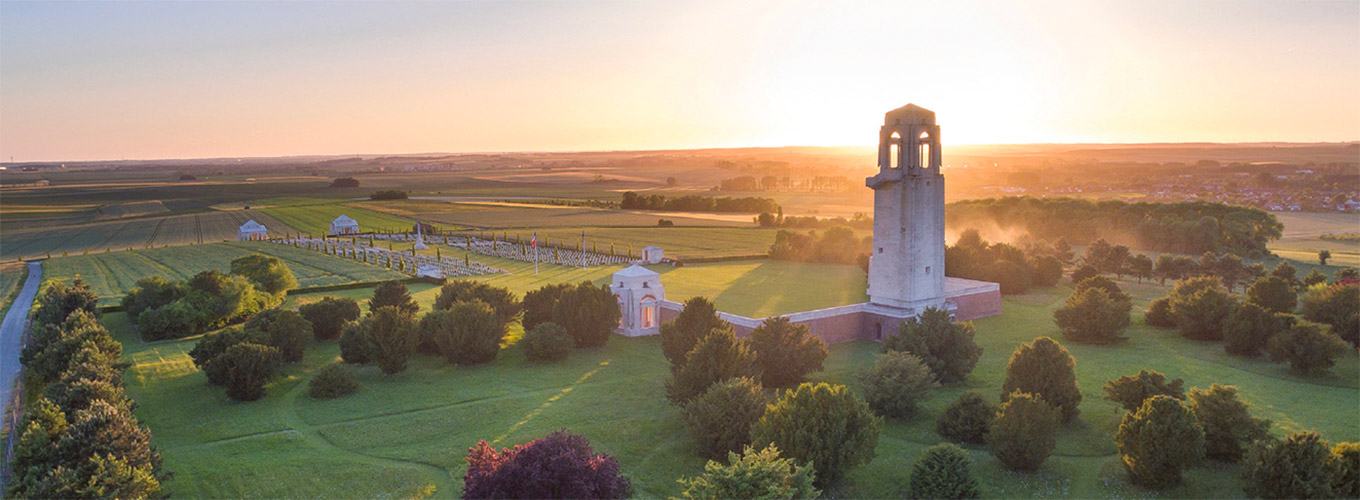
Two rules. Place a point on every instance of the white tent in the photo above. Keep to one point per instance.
(251, 231)
(344, 225)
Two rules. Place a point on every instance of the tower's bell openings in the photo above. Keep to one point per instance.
(923, 160)
(895, 151)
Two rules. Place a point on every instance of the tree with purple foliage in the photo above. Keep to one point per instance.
(559, 465)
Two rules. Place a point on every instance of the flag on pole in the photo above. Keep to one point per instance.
(533, 242)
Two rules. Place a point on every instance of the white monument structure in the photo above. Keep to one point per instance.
(430, 271)
(640, 294)
(420, 238)
(344, 225)
(252, 231)
(906, 266)
(652, 255)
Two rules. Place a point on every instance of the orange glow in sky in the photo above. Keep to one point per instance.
(112, 80)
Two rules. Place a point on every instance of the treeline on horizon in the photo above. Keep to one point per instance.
(1191, 227)
(697, 203)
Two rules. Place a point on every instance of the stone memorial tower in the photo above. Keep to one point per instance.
(906, 266)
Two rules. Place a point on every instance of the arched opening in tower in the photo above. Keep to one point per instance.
(923, 160)
(895, 151)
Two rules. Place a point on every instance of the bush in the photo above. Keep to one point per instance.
(1200, 307)
(1295, 467)
(1130, 391)
(392, 294)
(942, 472)
(896, 383)
(546, 342)
(1308, 347)
(718, 357)
(967, 419)
(1249, 328)
(720, 419)
(589, 314)
(559, 465)
(1159, 314)
(820, 424)
(1228, 427)
(345, 182)
(1024, 432)
(1084, 273)
(176, 320)
(329, 316)
(538, 304)
(1091, 315)
(752, 475)
(283, 329)
(1335, 306)
(391, 338)
(150, 293)
(466, 333)
(355, 343)
(269, 274)
(944, 346)
(504, 302)
(1045, 369)
(785, 351)
(1344, 467)
(1273, 294)
(210, 346)
(696, 320)
(1108, 285)
(332, 381)
(1159, 441)
(248, 367)
(1048, 271)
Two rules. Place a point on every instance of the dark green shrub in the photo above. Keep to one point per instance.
(1084, 273)
(820, 424)
(354, 342)
(151, 292)
(283, 329)
(391, 335)
(720, 419)
(210, 346)
(943, 345)
(59, 300)
(269, 274)
(1249, 328)
(1045, 369)
(466, 333)
(502, 300)
(589, 313)
(752, 475)
(695, 321)
(1335, 306)
(1159, 314)
(1229, 429)
(332, 381)
(392, 294)
(330, 315)
(1309, 348)
(785, 351)
(1159, 441)
(546, 341)
(54, 345)
(1131, 390)
(538, 304)
(1344, 467)
(896, 383)
(1273, 294)
(967, 419)
(248, 368)
(1024, 432)
(717, 357)
(1294, 467)
(1200, 307)
(1108, 285)
(1091, 315)
(942, 472)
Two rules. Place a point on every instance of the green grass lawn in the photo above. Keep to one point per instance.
(12, 276)
(406, 435)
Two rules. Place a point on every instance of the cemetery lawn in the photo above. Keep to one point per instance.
(405, 435)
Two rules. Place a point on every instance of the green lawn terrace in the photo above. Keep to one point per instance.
(406, 435)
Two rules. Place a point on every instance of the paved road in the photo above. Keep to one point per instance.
(12, 331)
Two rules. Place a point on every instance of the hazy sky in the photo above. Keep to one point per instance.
(114, 80)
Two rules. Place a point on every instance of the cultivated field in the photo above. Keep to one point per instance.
(136, 233)
(497, 215)
(315, 216)
(677, 242)
(406, 435)
(12, 275)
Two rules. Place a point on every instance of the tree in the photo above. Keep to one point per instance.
(820, 424)
(1166, 268)
(944, 346)
(1159, 441)
(151, 292)
(942, 472)
(1335, 306)
(717, 357)
(283, 329)
(1048, 271)
(967, 419)
(1344, 467)
(1092, 316)
(695, 321)
(53, 346)
(589, 314)
(559, 465)
(720, 418)
(896, 383)
(670, 181)
(1159, 314)
(1295, 467)
(1308, 347)
(1287, 272)
(392, 294)
(1323, 255)
(391, 335)
(330, 315)
(355, 343)
(1084, 272)
(1229, 429)
(210, 346)
(1248, 330)
(752, 475)
(538, 304)
(333, 381)
(248, 367)
(1314, 277)
(785, 351)
(1108, 285)
(1274, 294)
(1045, 369)
(502, 300)
(1141, 267)
(59, 300)
(269, 274)
(1200, 306)
(546, 342)
(466, 333)
(1130, 391)
(1024, 431)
